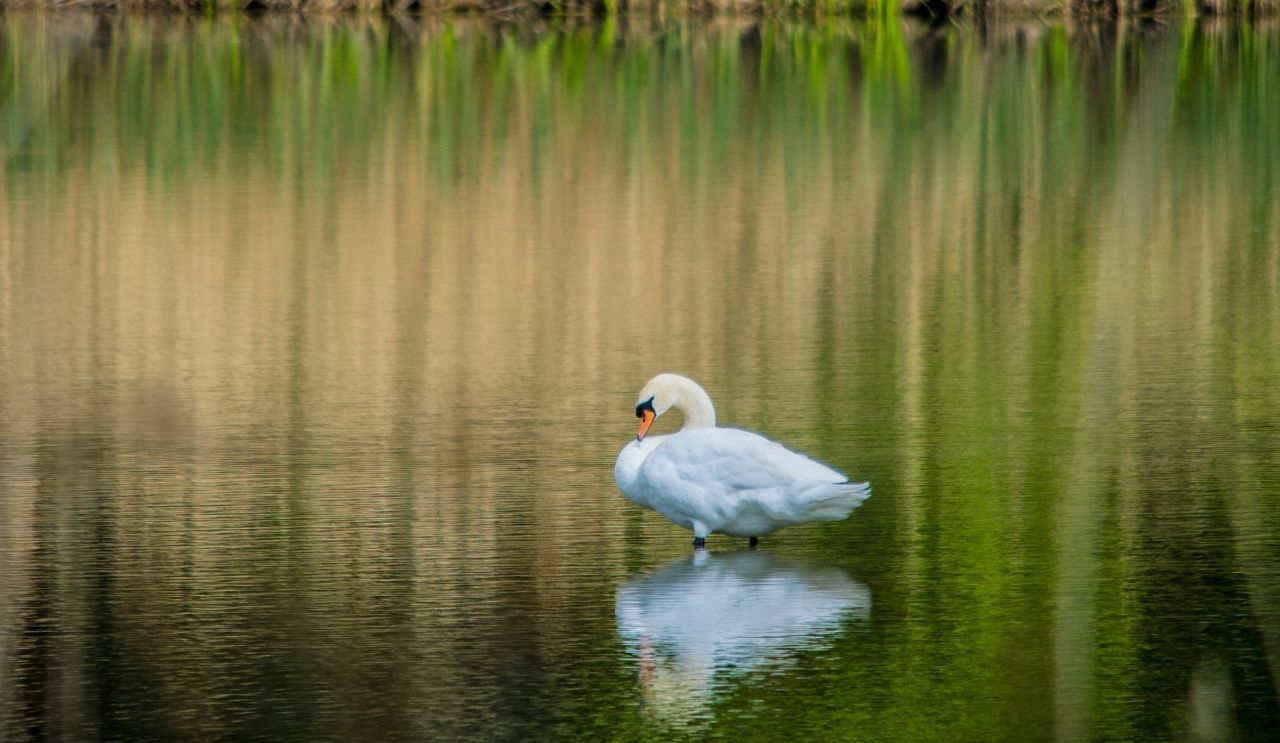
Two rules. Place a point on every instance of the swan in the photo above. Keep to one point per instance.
(724, 480)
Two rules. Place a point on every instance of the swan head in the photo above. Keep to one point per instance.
(666, 391)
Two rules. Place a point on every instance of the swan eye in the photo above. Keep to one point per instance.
(646, 405)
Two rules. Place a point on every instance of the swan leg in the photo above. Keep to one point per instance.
(700, 532)
(699, 543)
(753, 542)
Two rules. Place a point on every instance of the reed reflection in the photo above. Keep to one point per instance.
(718, 616)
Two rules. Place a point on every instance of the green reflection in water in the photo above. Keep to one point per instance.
(318, 339)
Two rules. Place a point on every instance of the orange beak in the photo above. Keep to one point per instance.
(645, 422)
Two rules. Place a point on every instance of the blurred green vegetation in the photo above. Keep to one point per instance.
(935, 11)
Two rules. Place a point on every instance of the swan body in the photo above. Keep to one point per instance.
(724, 480)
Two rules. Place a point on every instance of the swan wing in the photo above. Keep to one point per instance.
(733, 460)
(740, 483)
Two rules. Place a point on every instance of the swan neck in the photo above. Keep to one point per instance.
(695, 404)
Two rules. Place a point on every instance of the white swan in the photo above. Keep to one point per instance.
(724, 480)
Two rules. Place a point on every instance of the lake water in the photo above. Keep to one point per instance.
(318, 339)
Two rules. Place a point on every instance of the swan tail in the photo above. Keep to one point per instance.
(834, 501)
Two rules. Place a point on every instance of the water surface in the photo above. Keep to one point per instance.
(318, 339)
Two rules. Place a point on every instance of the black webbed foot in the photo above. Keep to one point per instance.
(699, 543)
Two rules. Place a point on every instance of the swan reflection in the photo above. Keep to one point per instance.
(725, 614)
